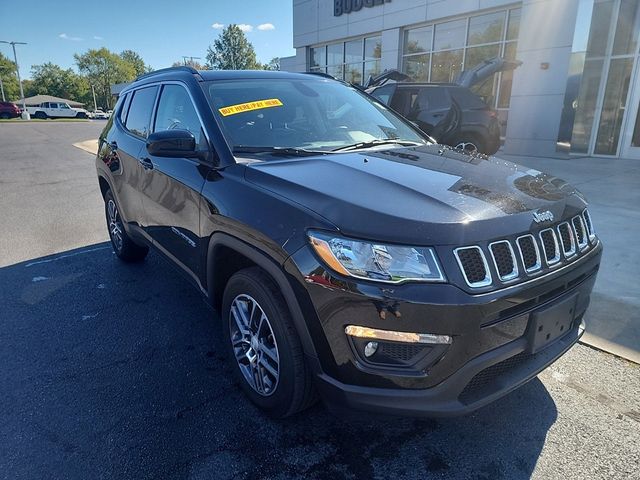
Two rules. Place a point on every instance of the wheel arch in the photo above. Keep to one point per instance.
(227, 254)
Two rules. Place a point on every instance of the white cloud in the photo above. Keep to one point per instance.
(245, 28)
(97, 37)
(266, 26)
(64, 36)
(217, 25)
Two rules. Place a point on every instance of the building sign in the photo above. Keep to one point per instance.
(348, 6)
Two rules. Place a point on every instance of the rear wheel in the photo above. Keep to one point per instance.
(40, 115)
(122, 244)
(263, 345)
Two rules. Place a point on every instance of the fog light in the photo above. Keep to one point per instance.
(370, 348)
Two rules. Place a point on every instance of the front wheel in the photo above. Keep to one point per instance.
(122, 244)
(470, 144)
(5, 116)
(263, 345)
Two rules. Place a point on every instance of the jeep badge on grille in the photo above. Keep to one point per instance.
(545, 216)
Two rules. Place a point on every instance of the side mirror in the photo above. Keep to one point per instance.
(172, 143)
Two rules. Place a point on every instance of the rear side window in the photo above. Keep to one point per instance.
(467, 99)
(139, 117)
(384, 93)
(126, 100)
(437, 98)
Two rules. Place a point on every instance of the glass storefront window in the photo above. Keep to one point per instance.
(486, 28)
(418, 40)
(336, 71)
(372, 48)
(450, 35)
(353, 73)
(585, 106)
(628, 27)
(613, 108)
(371, 69)
(335, 54)
(514, 24)
(353, 51)
(318, 57)
(600, 26)
(635, 140)
(445, 66)
(417, 67)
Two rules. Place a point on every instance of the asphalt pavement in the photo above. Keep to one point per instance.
(110, 370)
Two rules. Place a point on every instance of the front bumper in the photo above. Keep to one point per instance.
(490, 354)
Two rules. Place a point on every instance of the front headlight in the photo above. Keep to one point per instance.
(376, 261)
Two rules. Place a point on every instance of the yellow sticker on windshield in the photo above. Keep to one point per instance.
(247, 107)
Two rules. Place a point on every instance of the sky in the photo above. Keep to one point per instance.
(161, 31)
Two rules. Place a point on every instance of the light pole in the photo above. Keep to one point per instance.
(25, 114)
(95, 105)
(2, 89)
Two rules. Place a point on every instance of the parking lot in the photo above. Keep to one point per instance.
(115, 371)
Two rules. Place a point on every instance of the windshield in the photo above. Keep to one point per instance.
(315, 114)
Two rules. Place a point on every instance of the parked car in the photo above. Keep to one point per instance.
(100, 115)
(347, 255)
(9, 110)
(449, 112)
(56, 110)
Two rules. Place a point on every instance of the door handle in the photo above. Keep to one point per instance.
(146, 163)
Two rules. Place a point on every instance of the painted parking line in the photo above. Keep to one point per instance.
(66, 255)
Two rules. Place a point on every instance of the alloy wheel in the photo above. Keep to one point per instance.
(254, 345)
(115, 225)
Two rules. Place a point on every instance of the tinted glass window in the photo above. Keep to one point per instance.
(466, 99)
(140, 111)
(383, 93)
(437, 98)
(176, 112)
(124, 108)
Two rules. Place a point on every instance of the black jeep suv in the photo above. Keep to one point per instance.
(348, 257)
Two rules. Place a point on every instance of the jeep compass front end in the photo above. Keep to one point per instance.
(347, 255)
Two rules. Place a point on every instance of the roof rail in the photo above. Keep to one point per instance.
(181, 68)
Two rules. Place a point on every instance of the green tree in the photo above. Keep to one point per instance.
(9, 79)
(135, 60)
(190, 63)
(274, 64)
(102, 69)
(232, 51)
(50, 79)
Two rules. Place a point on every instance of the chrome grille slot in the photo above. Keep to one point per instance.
(529, 253)
(566, 239)
(504, 259)
(581, 232)
(550, 246)
(473, 265)
(587, 222)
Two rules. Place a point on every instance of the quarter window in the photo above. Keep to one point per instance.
(139, 117)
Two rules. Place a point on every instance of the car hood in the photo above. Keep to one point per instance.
(424, 195)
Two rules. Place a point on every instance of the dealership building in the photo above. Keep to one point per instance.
(577, 90)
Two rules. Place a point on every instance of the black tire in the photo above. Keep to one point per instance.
(125, 248)
(466, 141)
(81, 115)
(40, 115)
(5, 116)
(294, 390)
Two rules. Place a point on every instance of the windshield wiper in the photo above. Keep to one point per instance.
(374, 143)
(284, 151)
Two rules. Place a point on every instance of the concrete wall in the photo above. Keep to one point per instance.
(546, 36)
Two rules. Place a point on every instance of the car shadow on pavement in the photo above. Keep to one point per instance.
(110, 370)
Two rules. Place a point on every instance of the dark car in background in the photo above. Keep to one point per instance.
(347, 255)
(448, 112)
(9, 110)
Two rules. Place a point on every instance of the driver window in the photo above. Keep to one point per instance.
(64, 105)
(176, 112)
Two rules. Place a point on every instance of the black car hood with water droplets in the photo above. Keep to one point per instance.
(422, 195)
